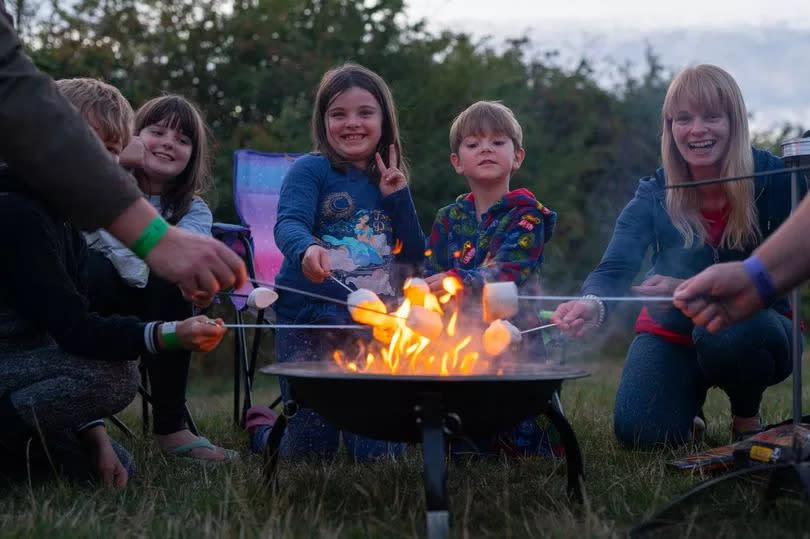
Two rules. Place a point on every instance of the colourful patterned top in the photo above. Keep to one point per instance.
(507, 245)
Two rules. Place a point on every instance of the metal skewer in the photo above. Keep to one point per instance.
(341, 283)
(642, 299)
(538, 328)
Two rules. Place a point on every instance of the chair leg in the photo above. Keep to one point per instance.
(237, 366)
(122, 426)
(250, 368)
(145, 398)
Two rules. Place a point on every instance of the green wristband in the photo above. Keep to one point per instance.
(150, 237)
(168, 330)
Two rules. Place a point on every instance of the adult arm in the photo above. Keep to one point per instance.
(64, 163)
(724, 293)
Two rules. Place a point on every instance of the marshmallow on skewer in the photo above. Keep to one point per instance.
(415, 290)
(371, 311)
(424, 322)
(261, 298)
(385, 332)
(498, 336)
(500, 300)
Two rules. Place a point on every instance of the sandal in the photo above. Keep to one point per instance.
(184, 451)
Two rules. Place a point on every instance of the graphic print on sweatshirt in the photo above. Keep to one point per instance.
(359, 243)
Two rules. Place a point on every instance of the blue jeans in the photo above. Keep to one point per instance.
(663, 385)
(307, 432)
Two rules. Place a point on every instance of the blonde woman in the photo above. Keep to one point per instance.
(671, 363)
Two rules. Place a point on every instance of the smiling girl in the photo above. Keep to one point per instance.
(671, 363)
(169, 158)
(340, 213)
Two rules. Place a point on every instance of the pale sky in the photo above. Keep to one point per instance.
(642, 14)
(765, 45)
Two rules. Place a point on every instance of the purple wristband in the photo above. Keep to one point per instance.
(762, 279)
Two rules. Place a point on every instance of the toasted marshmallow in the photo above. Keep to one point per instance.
(500, 300)
(371, 311)
(499, 335)
(261, 298)
(424, 322)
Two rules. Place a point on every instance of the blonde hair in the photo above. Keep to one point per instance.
(709, 88)
(485, 117)
(103, 105)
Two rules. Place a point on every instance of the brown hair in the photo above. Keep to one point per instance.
(177, 112)
(337, 81)
(485, 117)
(103, 105)
(708, 88)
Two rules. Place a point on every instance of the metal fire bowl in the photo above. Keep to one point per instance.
(387, 407)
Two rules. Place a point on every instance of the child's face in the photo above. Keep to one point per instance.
(354, 125)
(487, 159)
(168, 151)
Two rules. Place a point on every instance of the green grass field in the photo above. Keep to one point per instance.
(515, 498)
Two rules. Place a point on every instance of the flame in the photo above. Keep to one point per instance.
(397, 247)
(400, 350)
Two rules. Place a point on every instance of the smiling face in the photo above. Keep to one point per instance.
(354, 125)
(702, 138)
(168, 151)
(487, 159)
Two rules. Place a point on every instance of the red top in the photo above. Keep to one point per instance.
(716, 219)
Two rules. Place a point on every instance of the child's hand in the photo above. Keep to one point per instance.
(134, 155)
(574, 318)
(391, 178)
(435, 283)
(111, 473)
(315, 264)
(200, 333)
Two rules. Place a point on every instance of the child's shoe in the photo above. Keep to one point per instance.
(259, 421)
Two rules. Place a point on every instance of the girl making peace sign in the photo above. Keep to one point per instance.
(340, 213)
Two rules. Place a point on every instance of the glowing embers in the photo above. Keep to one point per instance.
(415, 340)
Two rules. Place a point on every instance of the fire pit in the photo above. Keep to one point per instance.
(427, 409)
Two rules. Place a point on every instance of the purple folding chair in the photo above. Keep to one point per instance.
(257, 179)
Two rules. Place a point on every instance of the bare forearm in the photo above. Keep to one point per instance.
(132, 222)
(786, 253)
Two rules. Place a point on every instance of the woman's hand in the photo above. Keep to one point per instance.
(391, 178)
(575, 318)
(200, 333)
(435, 282)
(658, 285)
(111, 473)
(315, 264)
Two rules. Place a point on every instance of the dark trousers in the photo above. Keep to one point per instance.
(663, 385)
(159, 300)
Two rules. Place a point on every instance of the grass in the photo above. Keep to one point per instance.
(517, 498)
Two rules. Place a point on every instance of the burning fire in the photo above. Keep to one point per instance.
(414, 338)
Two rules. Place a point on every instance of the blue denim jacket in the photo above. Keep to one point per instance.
(644, 223)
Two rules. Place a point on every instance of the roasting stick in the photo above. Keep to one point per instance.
(341, 283)
(289, 326)
(642, 299)
(538, 328)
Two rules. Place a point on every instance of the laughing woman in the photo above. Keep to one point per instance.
(671, 363)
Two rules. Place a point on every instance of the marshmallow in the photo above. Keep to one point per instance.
(261, 298)
(425, 323)
(499, 335)
(385, 332)
(500, 300)
(372, 310)
(415, 290)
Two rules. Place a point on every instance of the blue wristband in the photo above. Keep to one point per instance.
(762, 279)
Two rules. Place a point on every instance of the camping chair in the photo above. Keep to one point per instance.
(256, 187)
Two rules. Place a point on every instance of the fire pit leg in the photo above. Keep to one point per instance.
(573, 455)
(431, 419)
(272, 447)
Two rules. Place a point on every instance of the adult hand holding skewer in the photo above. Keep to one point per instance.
(718, 296)
(575, 318)
(658, 286)
(198, 334)
(315, 264)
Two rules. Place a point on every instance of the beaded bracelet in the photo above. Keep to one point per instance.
(150, 237)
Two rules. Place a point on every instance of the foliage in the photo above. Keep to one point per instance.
(253, 65)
